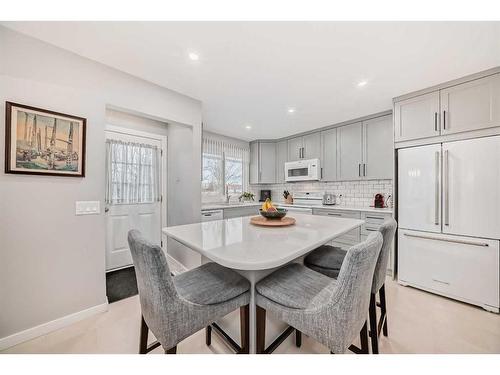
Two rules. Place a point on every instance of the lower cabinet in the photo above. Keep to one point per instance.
(462, 268)
(231, 212)
(355, 236)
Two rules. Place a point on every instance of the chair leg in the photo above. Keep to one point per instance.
(171, 350)
(298, 338)
(245, 329)
(373, 323)
(143, 340)
(364, 339)
(383, 308)
(261, 330)
(208, 335)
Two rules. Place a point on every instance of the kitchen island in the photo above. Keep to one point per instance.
(255, 251)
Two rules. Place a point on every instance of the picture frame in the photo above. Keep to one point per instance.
(43, 142)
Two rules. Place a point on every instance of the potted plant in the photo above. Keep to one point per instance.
(246, 197)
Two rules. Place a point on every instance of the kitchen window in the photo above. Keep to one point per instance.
(225, 165)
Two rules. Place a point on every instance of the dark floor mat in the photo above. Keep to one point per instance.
(121, 284)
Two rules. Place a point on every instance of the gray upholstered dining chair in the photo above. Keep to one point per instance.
(329, 259)
(176, 307)
(331, 311)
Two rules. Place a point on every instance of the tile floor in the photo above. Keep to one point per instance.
(419, 322)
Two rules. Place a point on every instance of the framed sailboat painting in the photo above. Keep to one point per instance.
(42, 142)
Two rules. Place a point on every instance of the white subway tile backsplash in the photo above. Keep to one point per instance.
(354, 193)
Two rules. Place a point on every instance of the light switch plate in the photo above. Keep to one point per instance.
(87, 208)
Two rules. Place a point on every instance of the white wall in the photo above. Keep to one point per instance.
(51, 261)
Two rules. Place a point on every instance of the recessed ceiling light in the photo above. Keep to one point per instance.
(248, 127)
(362, 83)
(291, 110)
(194, 56)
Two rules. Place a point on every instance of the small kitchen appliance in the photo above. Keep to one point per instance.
(329, 199)
(379, 201)
(303, 170)
(265, 194)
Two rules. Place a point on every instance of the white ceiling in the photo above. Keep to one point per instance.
(250, 73)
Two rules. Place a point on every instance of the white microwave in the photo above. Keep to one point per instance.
(303, 170)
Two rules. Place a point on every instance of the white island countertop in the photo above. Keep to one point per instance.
(237, 244)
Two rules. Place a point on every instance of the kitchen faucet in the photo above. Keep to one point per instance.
(227, 194)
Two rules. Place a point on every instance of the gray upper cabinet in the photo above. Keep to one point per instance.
(417, 117)
(329, 155)
(468, 106)
(267, 162)
(306, 147)
(295, 149)
(312, 146)
(281, 159)
(378, 149)
(254, 163)
(262, 162)
(350, 151)
(471, 106)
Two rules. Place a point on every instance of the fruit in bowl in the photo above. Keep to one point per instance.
(270, 212)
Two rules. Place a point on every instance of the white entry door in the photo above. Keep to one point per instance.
(134, 187)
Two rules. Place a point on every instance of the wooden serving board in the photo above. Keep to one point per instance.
(260, 220)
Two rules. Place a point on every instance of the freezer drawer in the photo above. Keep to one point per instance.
(463, 268)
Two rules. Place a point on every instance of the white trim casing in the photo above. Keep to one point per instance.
(45, 328)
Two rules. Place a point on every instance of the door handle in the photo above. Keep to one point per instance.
(359, 170)
(435, 121)
(106, 209)
(441, 282)
(447, 189)
(472, 243)
(436, 197)
(364, 170)
(321, 173)
(444, 119)
(331, 214)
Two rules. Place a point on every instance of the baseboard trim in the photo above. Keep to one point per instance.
(43, 329)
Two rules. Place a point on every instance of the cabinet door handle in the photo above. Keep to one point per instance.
(321, 173)
(441, 282)
(359, 170)
(435, 121)
(332, 214)
(374, 217)
(364, 169)
(444, 120)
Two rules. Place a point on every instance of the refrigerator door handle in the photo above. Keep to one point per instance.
(482, 244)
(436, 197)
(446, 189)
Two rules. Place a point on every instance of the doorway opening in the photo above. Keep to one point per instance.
(136, 169)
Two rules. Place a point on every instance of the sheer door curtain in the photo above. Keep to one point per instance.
(132, 172)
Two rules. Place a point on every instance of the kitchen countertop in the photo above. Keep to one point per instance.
(221, 206)
(386, 210)
(237, 244)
